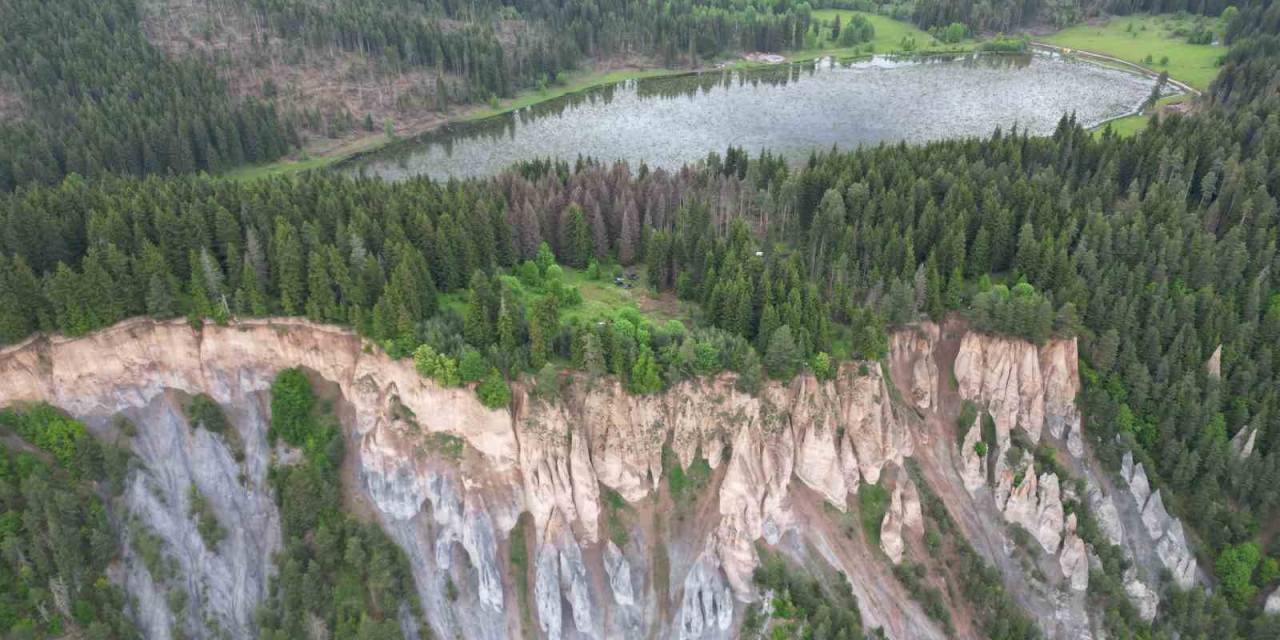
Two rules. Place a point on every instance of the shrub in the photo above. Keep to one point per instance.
(202, 411)
(437, 366)
(472, 367)
(494, 392)
(822, 366)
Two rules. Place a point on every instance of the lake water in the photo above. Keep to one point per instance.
(789, 109)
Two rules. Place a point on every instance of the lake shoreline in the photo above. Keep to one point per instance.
(811, 106)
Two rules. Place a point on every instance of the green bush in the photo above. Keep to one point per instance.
(50, 430)
(494, 392)
(473, 367)
(431, 364)
(202, 411)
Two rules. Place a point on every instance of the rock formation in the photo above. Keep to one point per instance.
(1165, 530)
(450, 516)
(902, 517)
(1021, 385)
(775, 457)
(1242, 442)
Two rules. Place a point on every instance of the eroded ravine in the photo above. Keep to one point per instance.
(786, 468)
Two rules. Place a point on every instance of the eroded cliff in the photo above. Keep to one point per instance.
(616, 551)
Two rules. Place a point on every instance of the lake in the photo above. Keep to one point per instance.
(790, 109)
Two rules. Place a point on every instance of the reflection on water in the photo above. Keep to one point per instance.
(791, 109)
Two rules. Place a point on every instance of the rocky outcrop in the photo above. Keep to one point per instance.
(448, 479)
(619, 572)
(902, 517)
(1107, 517)
(1144, 598)
(223, 582)
(1214, 365)
(450, 508)
(972, 465)
(1166, 531)
(1242, 443)
(913, 350)
(1272, 605)
(706, 610)
(1022, 386)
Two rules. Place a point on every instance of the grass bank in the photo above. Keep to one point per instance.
(1157, 42)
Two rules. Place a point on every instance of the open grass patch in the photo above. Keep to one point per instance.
(616, 512)
(1157, 42)
(684, 484)
(873, 502)
(890, 37)
(446, 445)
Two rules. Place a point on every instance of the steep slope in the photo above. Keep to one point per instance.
(645, 514)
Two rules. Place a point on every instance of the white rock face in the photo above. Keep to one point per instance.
(706, 610)
(915, 347)
(891, 529)
(619, 572)
(554, 460)
(1165, 530)
(973, 467)
(1242, 443)
(1272, 605)
(1108, 518)
(546, 591)
(547, 459)
(1144, 598)
(1074, 559)
(1214, 365)
(224, 584)
(1035, 503)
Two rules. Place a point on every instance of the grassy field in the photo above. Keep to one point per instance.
(1146, 40)
(600, 298)
(888, 37)
(1129, 125)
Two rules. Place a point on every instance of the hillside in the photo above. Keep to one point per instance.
(1007, 387)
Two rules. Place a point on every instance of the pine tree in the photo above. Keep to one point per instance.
(289, 268)
(782, 359)
(580, 246)
(322, 304)
(477, 326)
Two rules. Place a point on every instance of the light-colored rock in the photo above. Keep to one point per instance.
(225, 583)
(973, 467)
(619, 572)
(914, 347)
(1272, 605)
(1144, 598)
(706, 610)
(1242, 443)
(1049, 523)
(1214, 365)
(1073, 558)
(573, 583)
(903, 516)
(1035, 504)
(1107, 517)
(546, 591)
(1173, 551)
(891, 541)
(1140, 487)
(550, 459)
(1154, 516)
